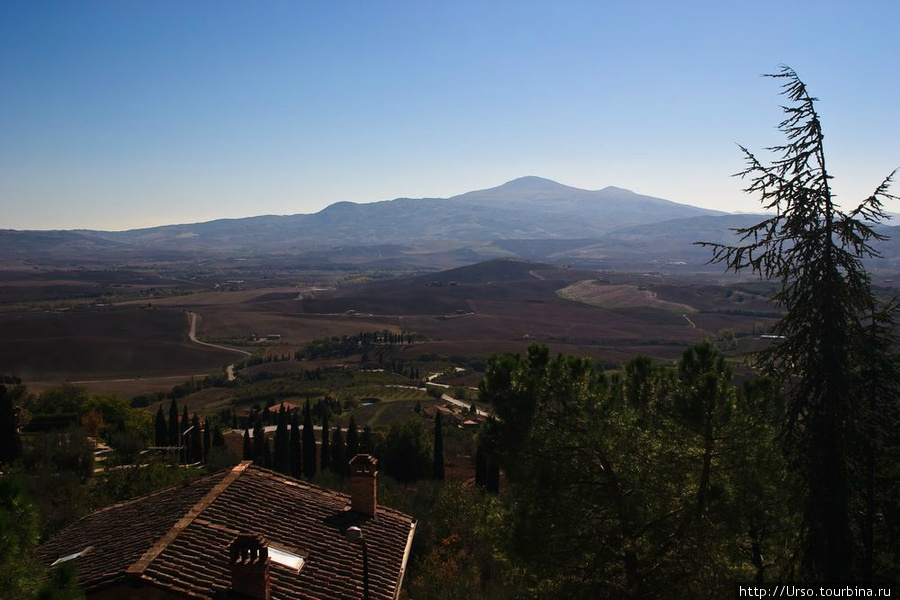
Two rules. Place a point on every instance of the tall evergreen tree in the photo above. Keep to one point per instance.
(339, 462)
(438, 463)
(308, 442)
(183, 440)
(10, 445)
(207, 441)
(162, 430)
(259, 442)
(196, 440)
(325, 449)
(248, 448)
(352, 439)
(815, 252)
(174, 437)
(281, 460)
(294, 443)
(367, 441)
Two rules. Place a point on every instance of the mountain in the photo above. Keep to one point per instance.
(476, 223)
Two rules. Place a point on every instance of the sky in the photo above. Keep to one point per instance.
(133, 113)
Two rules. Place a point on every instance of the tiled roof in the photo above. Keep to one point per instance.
(178, 539)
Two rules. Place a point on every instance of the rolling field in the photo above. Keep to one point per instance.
(499, 306)
(89, 345)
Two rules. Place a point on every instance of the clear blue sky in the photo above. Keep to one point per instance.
(124, 114)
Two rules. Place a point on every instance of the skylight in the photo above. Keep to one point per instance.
(69, 557)
(285, 558)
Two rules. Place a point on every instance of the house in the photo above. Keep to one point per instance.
(245, 533)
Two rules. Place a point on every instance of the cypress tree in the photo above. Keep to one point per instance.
(325, 458)
(481, 468)
(308, 444)
(438, 466)
(352, 439)
(218, 441)
(366, 441)
(259, 442)
(295, 446)
(162, 430)
(10, 445)
(281, 460)
(248, 450)
(196, 440)
(339, 463)
(206, 439)
(182, 427)
(174, 431)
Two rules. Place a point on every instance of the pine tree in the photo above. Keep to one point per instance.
(325, 449)
(162, 430)
(438, 466)
(308, 442)
(815, 251)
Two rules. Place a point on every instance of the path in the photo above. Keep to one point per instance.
(693, 326)
(192, 334)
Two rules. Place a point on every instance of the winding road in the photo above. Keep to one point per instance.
(192, 334)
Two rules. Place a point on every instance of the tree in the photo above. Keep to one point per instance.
(352, 439)
(174, 438)
(196, 440)
(162, 431)
(281, 459)
(437, 469)
(207, 439)
(308, 443)
(325, 448)
(339, 462)
(248, 449)
(259, 443)
(10, 445)
(294, 443)
(814, 251)
(407, 451)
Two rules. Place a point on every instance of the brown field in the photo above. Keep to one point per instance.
(110, 343)
(501, 306)
(606, 295)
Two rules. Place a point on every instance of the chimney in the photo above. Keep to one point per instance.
(364, 484)
(250, 567)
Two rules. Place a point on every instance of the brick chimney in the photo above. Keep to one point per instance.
(364, 484)
(250, 567)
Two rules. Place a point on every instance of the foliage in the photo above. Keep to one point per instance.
(621, 487)
(407, 451)
(814, 251)
(10, 444)
(20, 572)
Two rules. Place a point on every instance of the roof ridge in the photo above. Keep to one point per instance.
(270, 474)
(141, 564)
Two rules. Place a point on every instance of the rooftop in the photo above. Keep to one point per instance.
(178, 539)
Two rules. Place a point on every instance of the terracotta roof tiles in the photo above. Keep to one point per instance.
(179, 539)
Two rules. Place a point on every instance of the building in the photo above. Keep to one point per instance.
(244, 533)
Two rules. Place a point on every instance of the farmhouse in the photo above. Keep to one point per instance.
(247, 533)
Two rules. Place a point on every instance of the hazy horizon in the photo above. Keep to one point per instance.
(127, 115)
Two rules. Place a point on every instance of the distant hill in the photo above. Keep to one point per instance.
(530, 217)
